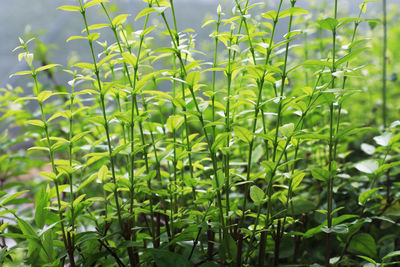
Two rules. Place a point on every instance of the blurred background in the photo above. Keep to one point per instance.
(41, 18)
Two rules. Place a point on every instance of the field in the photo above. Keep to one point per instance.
(249, 147)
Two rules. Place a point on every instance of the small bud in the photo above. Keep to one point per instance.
(28, 58)
(21, 41)
(219, 10)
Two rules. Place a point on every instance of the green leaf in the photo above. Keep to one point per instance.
(49, 175)
(129, 58)
(193, 78)
(165, 258)
(287, 129)
(220, 140)
(84, 65)
(70, 8)
(320, 174)
(145, 12)
(243, 134)
(44, 95)
(94, 2)
(328, 24)
(76, 38)
(296, 178)
(218, 181)
(349, 56)
(119, 19)
(365, 244)
(391, 254)
(105, 59)
(41, 202)
(293, 11)
(46, 67)
(36, 123)
(87, 181)
(25, 72)
(367, 166)
(174, 122)
(93, 36)
(79, 136)
(96, 26)
(256, 194)
(6, 199)
(103, 173)
(78, 200)
(365, 196)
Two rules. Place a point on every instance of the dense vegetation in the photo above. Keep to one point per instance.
(253, 150)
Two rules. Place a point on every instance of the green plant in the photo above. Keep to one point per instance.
(163, 155)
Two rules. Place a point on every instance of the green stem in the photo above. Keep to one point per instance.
(331, 158)
(384, 58)
(257, 109)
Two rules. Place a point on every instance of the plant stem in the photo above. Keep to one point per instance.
(384, 58)
(257, 108)
(206, 135)
(53, 166)
(331, 158)
(106, 127)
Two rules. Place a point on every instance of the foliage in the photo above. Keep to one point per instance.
(239, 153)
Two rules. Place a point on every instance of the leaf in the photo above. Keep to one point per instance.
(256, 194)
(25, 72)
(220, 140)
(76, 38)
(320, 174)
(364, 196)
(119, 19)
(105, 59)
(11, 196)
(218, 181)
(384, 139)
(174, 122)
(87, 181)
(328, 24)
(36, 123)
(43, 96)
(391, 254)
(293, 11)
(349, 56)
(367, 166)
(287, 129)
(79, 136)
(70, 8)
(130, 58)
(78, 200)
(49, 175)
(364, 243)
(144, 12)
(93, 36)
(367, 148)
(296, 178)
(84, 65)
(96, 26)
(243, 134)
(165, 258)
(160, 9)
(94, 2)
(41, 202)
(193, 78)
(102, 174)
(46, 67)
